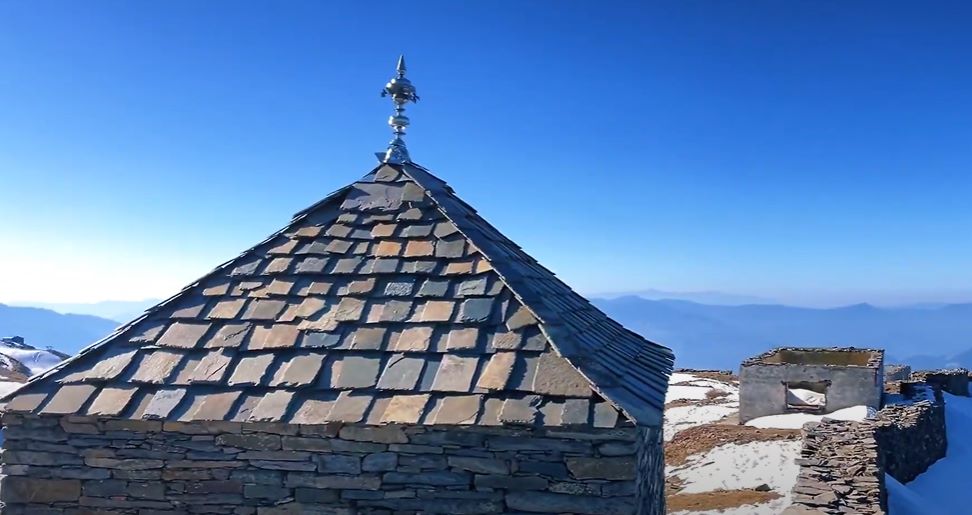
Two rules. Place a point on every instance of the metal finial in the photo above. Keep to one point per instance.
(402, 92)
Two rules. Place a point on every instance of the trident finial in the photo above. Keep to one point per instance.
(402, 92)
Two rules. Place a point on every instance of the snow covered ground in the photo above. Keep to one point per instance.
(796, 420)
(682, 387)
(943, 488)
(730, 466)
(35, 360)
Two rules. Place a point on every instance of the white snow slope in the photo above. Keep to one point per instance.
(944, 487)
(36, 360)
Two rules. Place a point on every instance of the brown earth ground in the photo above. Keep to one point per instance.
(717, 500)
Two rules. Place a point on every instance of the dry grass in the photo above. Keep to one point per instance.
(700, 439)
(717, 500)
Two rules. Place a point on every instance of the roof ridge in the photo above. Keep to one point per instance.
(551, 323)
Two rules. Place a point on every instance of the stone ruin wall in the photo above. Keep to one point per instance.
(953, 381)
(75, 465)
(843, 463)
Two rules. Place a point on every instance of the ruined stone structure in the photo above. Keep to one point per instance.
(388, 351)
(843, 463)
(896, 373)
(954, 381)
(810, 380)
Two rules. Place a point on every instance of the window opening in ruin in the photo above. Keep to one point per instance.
(806, 395)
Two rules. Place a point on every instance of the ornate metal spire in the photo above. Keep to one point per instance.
(401, 92)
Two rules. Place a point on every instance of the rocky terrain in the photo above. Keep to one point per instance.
(19, 361)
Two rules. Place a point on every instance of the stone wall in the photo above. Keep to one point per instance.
(896, 372)
(843, 463)
(72, 465)
(841, 471)
(954, 381)
(911, 438)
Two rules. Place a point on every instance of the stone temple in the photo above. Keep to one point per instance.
(810, 380)
(387, 351)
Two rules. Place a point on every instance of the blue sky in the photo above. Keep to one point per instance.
(810, 152)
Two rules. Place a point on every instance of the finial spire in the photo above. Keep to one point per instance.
(401, 92)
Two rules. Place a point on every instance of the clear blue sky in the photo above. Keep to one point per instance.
(812, 152)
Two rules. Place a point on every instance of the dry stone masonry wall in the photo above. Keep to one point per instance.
(75, 465)
(843, 463)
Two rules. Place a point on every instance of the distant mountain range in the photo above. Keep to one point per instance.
(46, 328)
(710, 336)
(121, 311)
(717, 298)
(703, 335)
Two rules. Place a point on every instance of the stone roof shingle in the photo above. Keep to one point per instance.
(390, 301)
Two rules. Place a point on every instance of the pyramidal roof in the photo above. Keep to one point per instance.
(390, 301)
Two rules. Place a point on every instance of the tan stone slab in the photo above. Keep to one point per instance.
(243, 288)
(555, 376)
(217, 289)
(212, 368)
(355, 371)
(300, 370)
(459, 410)
(26, 402)
(272, 407)
(250, 370)
(605, 415)
(383, 230)
(274, 336)
(576, 412)
(520, 318)
(226, 309)
(163, 403)
(315, 288)
(388, 248)
(264, 309)
(184, 335)
(491, 412)
(349, 309)
(324, 322)
(455, 373)
(148, 331)
(349, 407)
(140, 402)
(190, 307)
(311, 306)
(377, 411)
(521, 411)
(280, 287)
(283, 247)
(368, 338)
(401, 373)
(419, 248)
(314, 409)
(482, 265)
(309, 232)
(185, 370)
(438, 311)
(110, 366)
(360, 286)
(111, 401)
(229, 335)
(463, 339)
(497, 372)
(157, 366)
(414, 339)
(443, 229)
(245, 408)
(212, 406)
(278, 265)
(506, 340)
(551, 413)
(459, 268)
(405, 409)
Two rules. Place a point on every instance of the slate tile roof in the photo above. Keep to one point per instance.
(390, 301)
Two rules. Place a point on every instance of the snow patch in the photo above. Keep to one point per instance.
(35, 360)
(738, 466)
(797, 420)
(684, 417)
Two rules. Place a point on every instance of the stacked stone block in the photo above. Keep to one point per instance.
(911, 438)
(75, 465)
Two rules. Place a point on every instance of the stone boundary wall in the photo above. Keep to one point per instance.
(953, 381)
(911, 438)
(843, 463)
(841, 471)
(74, 465)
